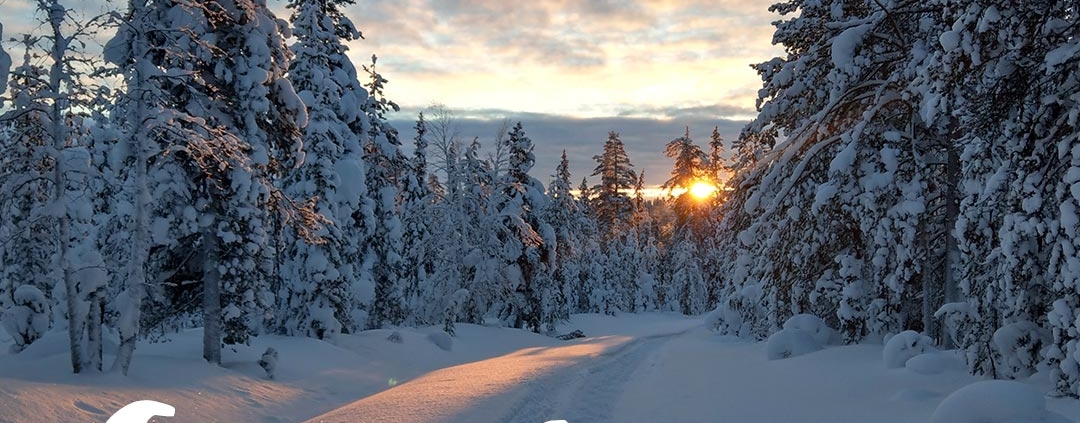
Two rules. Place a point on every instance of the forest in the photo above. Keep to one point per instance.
(913, 165)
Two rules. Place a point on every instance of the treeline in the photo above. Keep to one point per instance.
(219, 167)
(915, 165)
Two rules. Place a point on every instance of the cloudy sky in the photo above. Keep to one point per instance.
(570, 70)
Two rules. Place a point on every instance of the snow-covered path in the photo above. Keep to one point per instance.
(578, 382)
(682, 376)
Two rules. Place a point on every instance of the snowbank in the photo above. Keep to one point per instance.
(312, 376)
(790, 342)
(814, 326)
(802, 334)
(996, 401)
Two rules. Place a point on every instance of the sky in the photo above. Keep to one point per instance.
(573, 70)
(569, 70)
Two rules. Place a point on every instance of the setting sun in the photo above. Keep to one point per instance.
(702, 190)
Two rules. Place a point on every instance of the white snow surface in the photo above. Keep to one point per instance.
(996, 401)
(630, 368)
(903, 346)
(790, 342)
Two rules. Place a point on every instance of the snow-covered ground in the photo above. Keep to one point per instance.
(631, 368)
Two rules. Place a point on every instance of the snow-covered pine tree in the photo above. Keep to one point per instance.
(691, 166)
(384, 165)
(1017, 219)
(416, 214)
(220, 111)
(686, 279)
(161, 147)
(848, 175)
(252, 99)
(460, 274)
(718, 167)
(690, 162)
(566, 217)
(320, 277)
(611, 200)
(1060, 123)
(525, 243)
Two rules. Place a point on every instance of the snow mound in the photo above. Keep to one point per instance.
(903, 346)
(813, 325)
(790, 342)
(996, 401)
(933, 363)
(441, 339)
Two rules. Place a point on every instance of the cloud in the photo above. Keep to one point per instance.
(568, 57)
(583, 138)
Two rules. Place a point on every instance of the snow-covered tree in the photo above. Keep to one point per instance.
(827, 220)
(50, 236)
(320, 277)
(27, 319)
(27, 166)
(566, 216)
(610, 198)
(221, 117)
(416, 214)
(691, 167)
(526, 243)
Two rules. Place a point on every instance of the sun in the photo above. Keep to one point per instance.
(702, 190)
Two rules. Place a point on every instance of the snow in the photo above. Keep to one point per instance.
(844, 45)
(903, 346)
(996, 401)
(950, 40)
(442, 340)
(28, 319)
(934, 363)
(630, 368)
(790, 342)
(814, 326)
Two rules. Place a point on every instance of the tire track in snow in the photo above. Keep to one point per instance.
(474, 392)
(587, 392)
(579, 382)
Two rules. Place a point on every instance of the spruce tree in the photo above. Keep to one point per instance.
(525, 242)
(320, 276)
(385, 164)
(612, 202)
(417, 236)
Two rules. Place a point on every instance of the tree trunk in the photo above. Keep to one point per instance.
(93, 331)
(140, 248)
(211, 294)
(952, 252)
(57, 133)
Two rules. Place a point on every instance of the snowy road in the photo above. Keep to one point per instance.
(580, 382)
